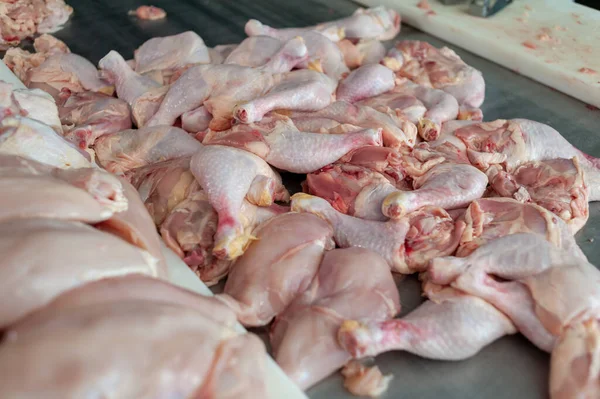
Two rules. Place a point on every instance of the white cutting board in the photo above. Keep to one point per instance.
(547, 40)
(278, 384)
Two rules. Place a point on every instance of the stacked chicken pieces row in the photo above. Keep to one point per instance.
(401, 175)
(87, 310)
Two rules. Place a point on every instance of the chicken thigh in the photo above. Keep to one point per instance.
(163, 185)
(277, 267)
(510, 143)
(556, 184)
(489, 218)
(189, 230)
(304, 336)
(69, 71)
(85, 116)
(134, 148)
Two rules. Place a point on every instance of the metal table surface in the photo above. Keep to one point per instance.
(511, 367)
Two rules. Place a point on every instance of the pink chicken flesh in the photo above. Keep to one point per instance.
(304, 336)
(158, 351)
(277, 267)
(406, 244)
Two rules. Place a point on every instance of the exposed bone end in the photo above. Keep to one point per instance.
(429, 130)
(395, 205)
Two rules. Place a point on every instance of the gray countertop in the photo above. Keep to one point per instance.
(511, 367)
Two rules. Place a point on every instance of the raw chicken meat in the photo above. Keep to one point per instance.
(396, 132)
(384, 160)
(302, 90)
(254, 51)
(303, 152)
(167, 54)
(135, 226)
(49, 44)
(228, 175)
(373, 23)
(440, 69)
(350, 189)
(196, 120)
(576, 347)
(220, 87)
(366, 51)
(447, 185)
(31, 189)
(360, 380)
(490, 218)
(85, 116)
(20, 19)
(142, 93)
(32, 103)
(407, 244)
(134, 148)
(158, 351)
(441, 107)
(32, 139)
(163, 185)
(45, 257)
(190, 228)
(402, 104)
(513, 142)
(451, 325)
(137, 287)
(56, 14)
(277, 267)
(20, 61)
(69, 71)
(556, 184)
(550, 295)
(367, 81)
(219, 54)
(323, 55)
(304, 336)
(150, 13)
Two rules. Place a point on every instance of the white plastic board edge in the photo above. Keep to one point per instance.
(278, 383)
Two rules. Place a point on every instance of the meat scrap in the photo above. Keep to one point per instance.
(149, 13)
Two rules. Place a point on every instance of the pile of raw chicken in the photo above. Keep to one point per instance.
(22, 19)
(401, 176)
